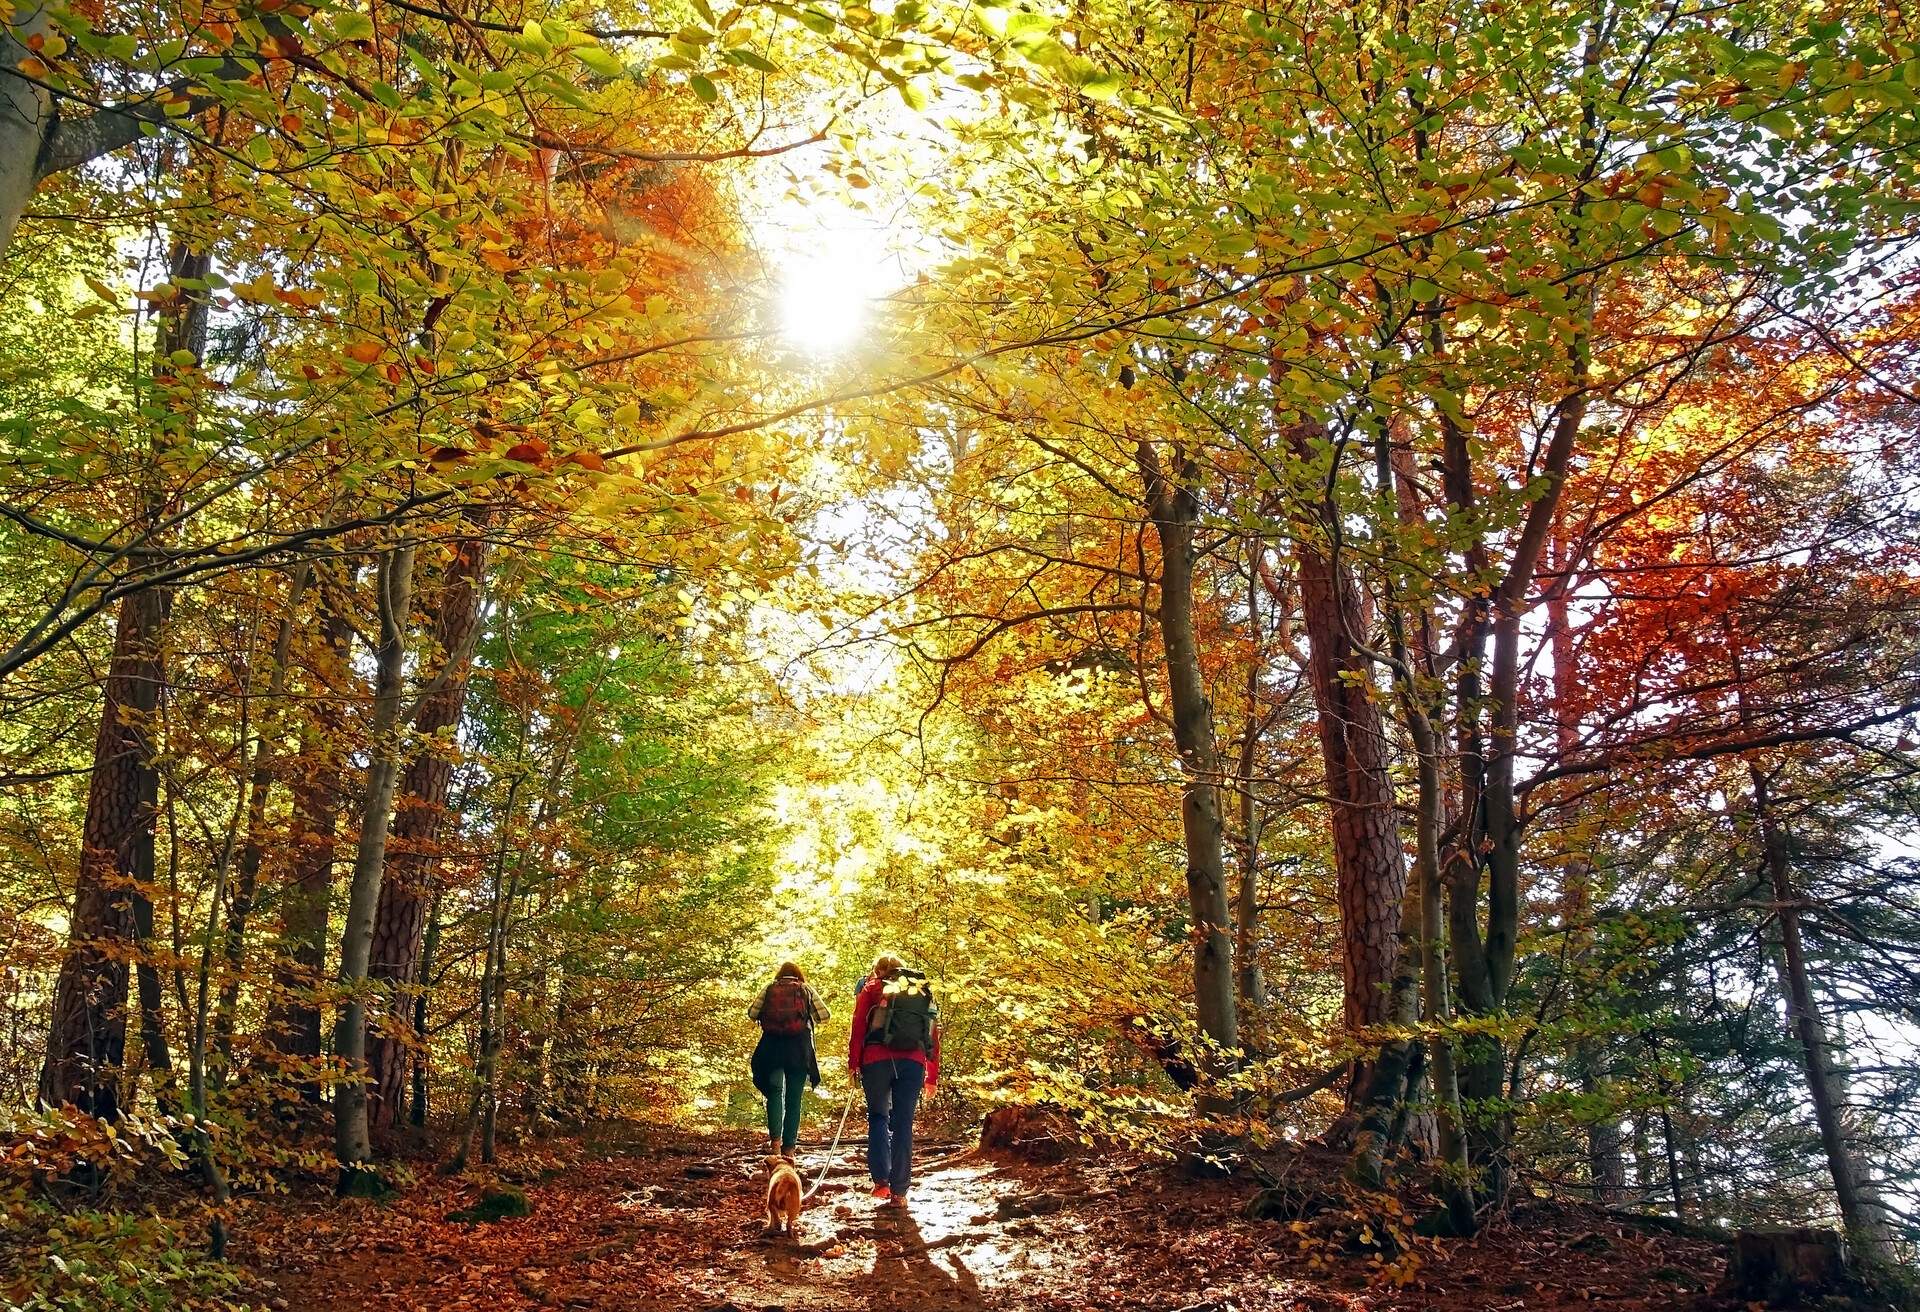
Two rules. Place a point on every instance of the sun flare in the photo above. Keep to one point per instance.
(830, 282)
(827, 299)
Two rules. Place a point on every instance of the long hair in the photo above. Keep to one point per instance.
(789, 971)
(886, 966)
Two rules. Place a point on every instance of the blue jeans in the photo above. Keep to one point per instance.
(893, 1089)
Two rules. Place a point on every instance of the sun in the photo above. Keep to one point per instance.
(828, 293)
(831, 280)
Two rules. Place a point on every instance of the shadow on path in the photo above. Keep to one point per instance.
(908, 1273)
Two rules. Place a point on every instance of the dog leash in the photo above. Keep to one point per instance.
(832, 1151)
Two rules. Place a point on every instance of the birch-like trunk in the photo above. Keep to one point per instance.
(352, 1143)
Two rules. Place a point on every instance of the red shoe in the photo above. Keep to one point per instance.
(882, 1193)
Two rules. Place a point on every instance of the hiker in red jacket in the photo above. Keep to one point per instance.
(894, 1051)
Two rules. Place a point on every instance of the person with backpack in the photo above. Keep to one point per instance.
(894, 1052)
(784, 1060)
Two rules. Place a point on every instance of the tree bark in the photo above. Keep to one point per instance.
(153, 1026)
(1606, 1163)
(419, 817)
(429, 949)
(1852, 1189)
(1173, 505)
(1370, 863)
(1250, 989)
(352, 1142)
(26, 117)
(246, 876)
(293, 1021)
(86, 1041)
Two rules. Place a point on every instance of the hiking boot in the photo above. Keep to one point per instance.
(882, 1192)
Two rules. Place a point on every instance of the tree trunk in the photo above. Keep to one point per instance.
(352, 1143)
(1250, 989)
(1387, 1082)
(1865, 1225)
(153, 1031)
(1456, 1185)
(197, 1050)
(86, 1041)
(1370, 864)
(419, 816)
(1173, 505)
(1606, 1164)
(429, 949)
(246, 877)
(1418, 689)
(293, 1022)
(26, 117)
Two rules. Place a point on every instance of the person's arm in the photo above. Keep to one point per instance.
(820, 1013)
(754, 1007)
(857, 1034)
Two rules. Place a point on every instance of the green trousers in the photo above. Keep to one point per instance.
(785, 1086)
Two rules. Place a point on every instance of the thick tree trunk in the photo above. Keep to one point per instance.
(153, 1028)
(1387, 1086)
(1369, 861)
(1173, 505)
(352, 1142)
(26, 117)
(419, 818)
(111, 920)
(87, 1040)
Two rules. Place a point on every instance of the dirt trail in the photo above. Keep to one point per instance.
(675, 1225)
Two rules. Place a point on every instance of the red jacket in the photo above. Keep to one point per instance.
(861, 1053)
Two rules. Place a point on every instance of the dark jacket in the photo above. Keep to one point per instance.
(787, 1052)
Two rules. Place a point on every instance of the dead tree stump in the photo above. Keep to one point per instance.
(1786, 1264)
(1034, 1134)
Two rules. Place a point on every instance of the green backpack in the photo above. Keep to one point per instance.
(904, 1016)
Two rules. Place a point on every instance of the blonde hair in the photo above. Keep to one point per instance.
(886, 966)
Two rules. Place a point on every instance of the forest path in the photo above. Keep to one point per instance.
(675, 1223)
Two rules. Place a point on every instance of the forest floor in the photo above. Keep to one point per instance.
(673, 1222)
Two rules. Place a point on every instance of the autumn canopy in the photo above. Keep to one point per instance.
(1334, 571)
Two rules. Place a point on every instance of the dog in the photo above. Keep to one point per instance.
(783, 1196)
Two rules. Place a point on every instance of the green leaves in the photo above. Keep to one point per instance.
(599, 59)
